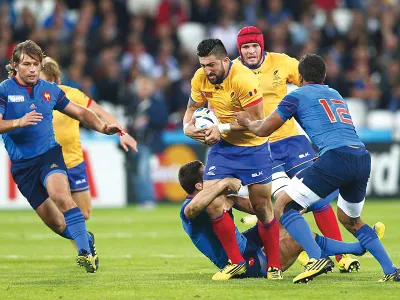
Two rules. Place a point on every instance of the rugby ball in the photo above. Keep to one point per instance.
(205, 118)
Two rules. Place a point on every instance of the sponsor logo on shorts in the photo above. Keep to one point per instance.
(83, 180)
(211, 170)
(257, 174)
(303, 155)
(16, 98)
(53, 166)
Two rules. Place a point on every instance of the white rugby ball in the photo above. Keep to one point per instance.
(205, 118)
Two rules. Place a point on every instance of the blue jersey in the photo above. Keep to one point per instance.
(202, 234)
(15, 101)
(323, 114)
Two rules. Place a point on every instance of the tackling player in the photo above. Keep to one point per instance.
(290, 150)
(343, 164)
(235, 152)
(197, 225)
(38, 168)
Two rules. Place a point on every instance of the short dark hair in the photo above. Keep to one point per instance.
(29, 48)
(209, 47)
(189, 175)
(312, 67)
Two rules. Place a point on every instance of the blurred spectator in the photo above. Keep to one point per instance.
(203, 11)
(148, 116)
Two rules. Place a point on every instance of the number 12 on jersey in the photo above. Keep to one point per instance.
(341, 110)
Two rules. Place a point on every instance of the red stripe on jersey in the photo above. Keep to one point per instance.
(254, 102)
(12, 187)
(89, 102)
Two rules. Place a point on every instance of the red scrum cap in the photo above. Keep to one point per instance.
(250, 34)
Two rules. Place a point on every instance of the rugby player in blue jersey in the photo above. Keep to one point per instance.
(198, 226)
(343, 164)
(38, 168)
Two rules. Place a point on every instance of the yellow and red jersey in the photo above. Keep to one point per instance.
(239, 89)
(66, 129)
(274, 73)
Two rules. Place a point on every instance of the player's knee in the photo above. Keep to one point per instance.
(87, 213)
(215, 208)
(63, 201)
(292, 205)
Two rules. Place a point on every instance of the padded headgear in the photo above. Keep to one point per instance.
(250, 34)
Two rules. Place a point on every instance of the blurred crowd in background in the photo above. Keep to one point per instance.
(105, 46)
(136, 57)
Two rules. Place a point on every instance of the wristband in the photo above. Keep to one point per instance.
(224, 128)
(122, 133)
(15, 123)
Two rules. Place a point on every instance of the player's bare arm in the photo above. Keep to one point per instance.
(188, 122)
(260, 127)
(90, 119)
(125, 140)
(29, 119)
(207, 195)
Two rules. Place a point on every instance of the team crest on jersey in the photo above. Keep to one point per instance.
(277, 80)
(234, 101)
(47, 96)
(16, 98)
(207, 94)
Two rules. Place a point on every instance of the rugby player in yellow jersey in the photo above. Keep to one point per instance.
(291, 151)
(235, 152)
(67, 134)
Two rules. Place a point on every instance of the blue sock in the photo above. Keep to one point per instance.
(76, 227)
(298, 228)
(333, 247)
(370, 241)
(66, 234)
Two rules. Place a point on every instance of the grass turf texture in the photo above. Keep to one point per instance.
(146, 255)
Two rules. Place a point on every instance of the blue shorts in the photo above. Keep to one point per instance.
(292, 155)
(249, 164)
(344, 168)
(30, 174)
(78, 178)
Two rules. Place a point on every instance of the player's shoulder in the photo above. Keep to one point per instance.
(44, 84)
(199, 75)
(282, 58)
(240, 72)
(69, 89)
(5, 85)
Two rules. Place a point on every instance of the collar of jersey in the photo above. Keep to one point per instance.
(24, 85)
(255, 67)
(229, 69)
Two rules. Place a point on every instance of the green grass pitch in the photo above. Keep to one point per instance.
(146, 255)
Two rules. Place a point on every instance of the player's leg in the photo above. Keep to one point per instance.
(79, 185)
(298, 196)
(301, 156)
(225, 230)
(84, 202)
(349, 215)
(54, 178)
(350, 203)
(268, 227)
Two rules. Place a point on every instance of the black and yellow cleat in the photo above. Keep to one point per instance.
(230, 271)
(395, 276)
(313, 269)
(93, 251)
(347, 264)
(274, 273)
(87, 261)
